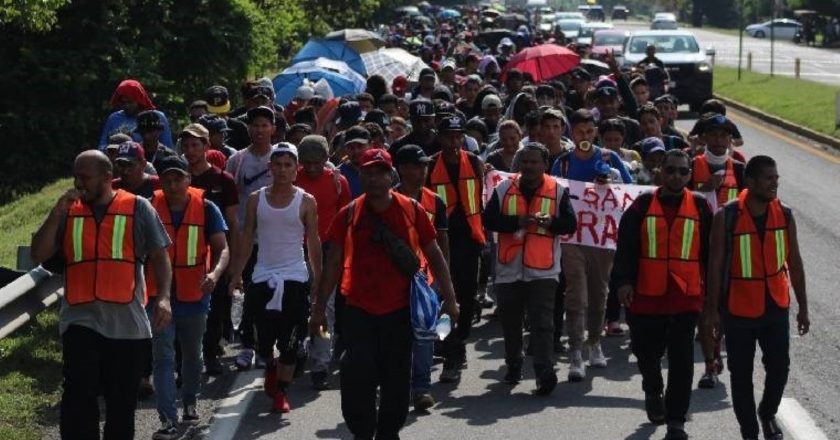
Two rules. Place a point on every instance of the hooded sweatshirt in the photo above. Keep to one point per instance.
(120, 122)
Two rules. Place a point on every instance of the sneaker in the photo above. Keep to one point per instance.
(190, 416)
(614, 329)
(596, 356)
(485, 301)
(771, 430)
(675, 433)
(213, 366)
(146, 389)
(244, 359)
(708, 381)
(450, 374)
(576, 370)
(423, 401)
(546, 383)
(514, 374)
(320, 380)
(655, 408)
(167, 431)
(281, 403)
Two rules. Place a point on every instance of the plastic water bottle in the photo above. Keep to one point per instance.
(236, 308)
(444, 326)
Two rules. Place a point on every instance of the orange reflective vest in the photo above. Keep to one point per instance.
(670, 252)
(100, 256)
(536, 244)
(758, 263)
(428, 202)
(355, 213)
(728, 189)
(469, 189)
(189, 250)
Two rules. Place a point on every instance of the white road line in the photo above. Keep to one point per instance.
(228, 416)
(796, 421)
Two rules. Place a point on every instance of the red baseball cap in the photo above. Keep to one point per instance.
(400, 84)
(377, 156)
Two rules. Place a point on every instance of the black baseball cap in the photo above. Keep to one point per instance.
(411, 154)
(148, 120)
(213, 123)
(451, 123)
(356, 135)
(263, 111)
(172, 163)
(349, 113)
(421, 107)
(713, 122)
(218, 100)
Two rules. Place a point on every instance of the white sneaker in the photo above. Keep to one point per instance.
(576, 370)
(596, 356)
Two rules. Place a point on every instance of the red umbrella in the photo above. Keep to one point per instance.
(543, 62)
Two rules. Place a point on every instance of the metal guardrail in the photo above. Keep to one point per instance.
(28, 295)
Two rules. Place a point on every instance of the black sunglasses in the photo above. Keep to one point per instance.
(682, 170)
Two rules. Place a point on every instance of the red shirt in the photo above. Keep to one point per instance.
(672, 302)
(329, 201)
(377, 286)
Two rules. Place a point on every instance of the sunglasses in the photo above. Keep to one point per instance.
(673, 170)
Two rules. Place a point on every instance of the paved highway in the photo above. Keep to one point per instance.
(817, 64)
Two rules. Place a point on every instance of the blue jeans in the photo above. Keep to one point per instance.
(190, 331)
(422, 351)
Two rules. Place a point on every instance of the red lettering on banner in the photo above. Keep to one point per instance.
(626, 201)
(609, 197)
(590, 197)
(610, 231)
(587, 220)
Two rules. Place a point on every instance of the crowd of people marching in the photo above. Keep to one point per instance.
(341, 227)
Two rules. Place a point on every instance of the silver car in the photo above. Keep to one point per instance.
(783, 29)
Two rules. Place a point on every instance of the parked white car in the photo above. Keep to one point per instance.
(783, 29)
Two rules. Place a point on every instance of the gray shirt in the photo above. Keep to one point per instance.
(250, 173)
(121, 321)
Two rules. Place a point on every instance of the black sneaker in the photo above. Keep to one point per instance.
(771, 430)
(708, 381)
(320, 380)
(450, 374)
(167, 431)
(655, 408)
(546, 383)
(190, 416)
(675, 433)
(213, 366)
(514, 374)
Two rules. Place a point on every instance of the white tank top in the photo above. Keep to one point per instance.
(280, 234)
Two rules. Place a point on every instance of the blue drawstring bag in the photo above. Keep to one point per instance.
(425, 307)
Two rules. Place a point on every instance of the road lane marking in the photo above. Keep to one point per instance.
(796, 420)
(228, 415)
(746, 120)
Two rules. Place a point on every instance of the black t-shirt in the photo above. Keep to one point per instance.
(219, 187)
(238, 136)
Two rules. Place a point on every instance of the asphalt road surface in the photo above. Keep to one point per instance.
(817, 64)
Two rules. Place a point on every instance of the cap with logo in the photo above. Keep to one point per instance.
(606, 92)
(451, 123)
(399, 84)
(411, 154)
(172, 163)
(148, 120)
(218, 100)
(421, 107)
(130, 150)
(376, 156)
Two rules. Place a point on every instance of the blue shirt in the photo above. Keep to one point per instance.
(214, 223)
(584, 170)
(119, 122)
(353, 179)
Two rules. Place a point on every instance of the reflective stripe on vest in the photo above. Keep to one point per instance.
(100, 256)
(355, 209)
(189, 250)
(670, 252)
(536, 245)
(469, 189)
(728, 189)
(428, 202)
(758, 263)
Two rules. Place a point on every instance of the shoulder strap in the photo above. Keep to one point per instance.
(564, 159)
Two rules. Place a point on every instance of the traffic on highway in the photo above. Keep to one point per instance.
(476, 221)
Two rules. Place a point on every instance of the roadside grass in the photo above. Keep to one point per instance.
(30, 358)
(800, 101)
(22, 217)
(30, 378)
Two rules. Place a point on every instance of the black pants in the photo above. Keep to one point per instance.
(378, 355)
(774, 340)
(537, 297)
(285, 328)
(559, 305)
(613, 313)
(246, 325)
(650, 336)
(93, 365)
(218, 319)
(464, 258)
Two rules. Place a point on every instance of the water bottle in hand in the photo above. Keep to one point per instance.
(236, 308)
(444, 326)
